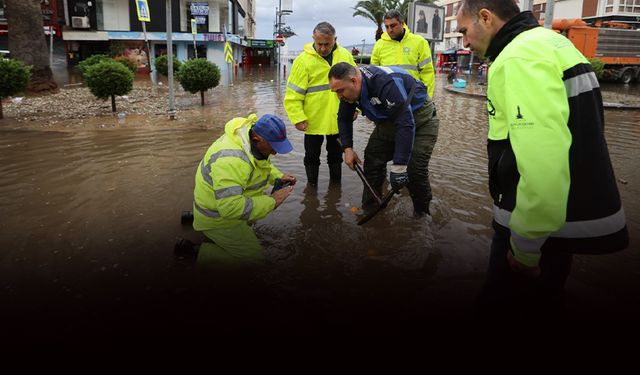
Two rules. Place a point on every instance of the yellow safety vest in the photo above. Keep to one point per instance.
(230, 182)
(412, 54)
(308, 94)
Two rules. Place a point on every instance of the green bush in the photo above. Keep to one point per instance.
(14, 78)
(116, 48)
(128, 63)
(199, 75)
(598, 67)
(163, 68)
(95, 59)
(108, 79)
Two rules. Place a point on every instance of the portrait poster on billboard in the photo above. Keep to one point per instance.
(427, 20)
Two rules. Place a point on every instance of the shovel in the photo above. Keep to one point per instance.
(382, 202)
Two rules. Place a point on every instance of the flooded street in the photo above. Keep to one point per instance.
(90, 216)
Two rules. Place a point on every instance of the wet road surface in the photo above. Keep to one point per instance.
(89, 219)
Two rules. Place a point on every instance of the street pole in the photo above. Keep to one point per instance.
(148, 53)
(548, 14)
(362, 52)
(278, 32)
(172, 109)
(51, 31)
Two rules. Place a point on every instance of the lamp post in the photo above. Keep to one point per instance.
(362, 53)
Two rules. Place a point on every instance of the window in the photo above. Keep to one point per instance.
(3, 18)
(240, 25)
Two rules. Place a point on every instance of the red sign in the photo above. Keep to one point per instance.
(279, 38)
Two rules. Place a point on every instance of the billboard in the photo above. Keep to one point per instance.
(426, 20)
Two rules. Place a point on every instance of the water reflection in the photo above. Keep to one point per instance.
(95, 212)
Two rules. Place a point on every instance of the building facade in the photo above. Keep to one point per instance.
(591, 11)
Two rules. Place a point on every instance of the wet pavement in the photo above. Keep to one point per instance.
(90, 215)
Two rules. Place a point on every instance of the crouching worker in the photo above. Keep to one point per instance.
(230, 185)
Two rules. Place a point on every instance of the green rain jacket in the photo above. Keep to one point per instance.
(412, 54)
(550, 175)
(308, 95)
(230, 182)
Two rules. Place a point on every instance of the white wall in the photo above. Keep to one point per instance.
(567, 9)
(115, 15)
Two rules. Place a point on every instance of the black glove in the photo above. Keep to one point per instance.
(398, 180)
(279, 184)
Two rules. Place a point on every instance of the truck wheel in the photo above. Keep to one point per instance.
(627, 75)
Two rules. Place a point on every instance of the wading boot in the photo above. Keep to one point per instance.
(335, 173)
(312, 174)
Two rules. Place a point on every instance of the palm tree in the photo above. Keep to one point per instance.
(373, 10)
(27, 42)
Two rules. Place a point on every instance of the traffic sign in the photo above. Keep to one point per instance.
(279, 38)
(228, 53)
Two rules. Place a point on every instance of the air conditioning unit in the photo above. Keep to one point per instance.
(80, 22)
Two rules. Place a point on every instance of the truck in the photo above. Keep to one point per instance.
(614, 43)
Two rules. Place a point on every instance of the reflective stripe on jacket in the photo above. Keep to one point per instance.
(308, 95)
(549, 169)
(230, 182)
(412, 54)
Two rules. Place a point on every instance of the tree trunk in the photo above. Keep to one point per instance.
(1, 114)
(113, 103)
(27, 43)
(202, 98)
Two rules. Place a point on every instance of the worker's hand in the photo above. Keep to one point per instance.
(281, 195)
(302, 126)
(517, 267)
(288, 178)
(398, 177)
(350, 157)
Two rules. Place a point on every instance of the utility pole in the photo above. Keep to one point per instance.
(172, 109)
(548, 14)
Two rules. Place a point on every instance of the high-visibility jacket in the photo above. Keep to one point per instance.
(308, 94)
(412, 54)
(230, 182)
(550, 175)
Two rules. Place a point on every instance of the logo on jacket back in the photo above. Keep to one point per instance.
(406, 50)
(490, 108)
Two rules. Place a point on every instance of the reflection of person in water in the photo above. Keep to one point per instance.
(422, 26)
(314, 213)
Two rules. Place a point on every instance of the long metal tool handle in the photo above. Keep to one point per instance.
(383, 205)
(360, 173)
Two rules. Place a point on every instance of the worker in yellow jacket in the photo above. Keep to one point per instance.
(310, 104)
(400, 48)
(230, 185)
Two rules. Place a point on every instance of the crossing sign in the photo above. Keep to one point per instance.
(228, 53)
(143, 11)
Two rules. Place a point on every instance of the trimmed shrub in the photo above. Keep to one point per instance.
(108, 79)
(128, 63)
(14, 78)
(163, 68)
(199, 75)
(598, 67)
(85, 64)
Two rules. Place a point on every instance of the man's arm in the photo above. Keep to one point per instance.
(425, 68)
(375, 54)
(297, 85)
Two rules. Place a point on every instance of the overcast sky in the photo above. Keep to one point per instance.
(308, 13)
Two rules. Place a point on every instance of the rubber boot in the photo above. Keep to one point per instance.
(312, 174)
(335, 173)
(420, 208)
(185, 248)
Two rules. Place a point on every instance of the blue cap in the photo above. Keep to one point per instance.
(273, 130)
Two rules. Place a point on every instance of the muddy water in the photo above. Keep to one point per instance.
(89, 220)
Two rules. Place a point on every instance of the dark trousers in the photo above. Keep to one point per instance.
(380, 149)
(508, 295)
(313, 146)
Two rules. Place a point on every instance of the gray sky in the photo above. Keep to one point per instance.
(308, 13)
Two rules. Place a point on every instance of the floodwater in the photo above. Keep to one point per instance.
(89, 219)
